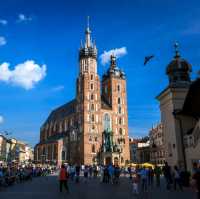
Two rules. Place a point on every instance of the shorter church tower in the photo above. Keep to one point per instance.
(172, 100)
(114, 94)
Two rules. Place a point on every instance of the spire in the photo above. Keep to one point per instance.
(88, 49)
(112, 61)
(87, 34)
(176, 47)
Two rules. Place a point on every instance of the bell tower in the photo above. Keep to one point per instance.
(114, 93)
(88, 99)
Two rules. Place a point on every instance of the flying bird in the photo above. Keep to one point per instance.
(148, 58)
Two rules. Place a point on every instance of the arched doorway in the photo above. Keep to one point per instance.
(108, 160)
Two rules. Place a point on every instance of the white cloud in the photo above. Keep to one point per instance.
(23, 18)
(2, 41)
(58, 88)
(3, 22)
(118, 52)
(25, 75)
(1, 119)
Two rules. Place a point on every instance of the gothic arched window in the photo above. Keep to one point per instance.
(92, 107)
(120, 131)
(92, 97)
(120, 120)
(118, 88)
(107, 122)
(92, 117)
(119, 100)
(93, 148)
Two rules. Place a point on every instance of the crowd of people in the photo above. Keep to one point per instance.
(175, 178)
(12, 174)
(141, 178)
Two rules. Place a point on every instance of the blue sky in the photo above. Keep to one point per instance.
(49, 34)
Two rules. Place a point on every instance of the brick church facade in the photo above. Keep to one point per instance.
(93, 127)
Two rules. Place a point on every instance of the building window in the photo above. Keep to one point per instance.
(92, 97)
(91, 86)
(118, 88)
(119, 109)
(93, 148)
(95, 139)
(91, 77)
(92, 117)
(107, 122)
(90, 139)
(120, 131)
(92, 107)
(119, 100)
(120, 120)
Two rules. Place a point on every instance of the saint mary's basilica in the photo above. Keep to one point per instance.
(93, 127)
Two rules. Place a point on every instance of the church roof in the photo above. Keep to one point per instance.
(62, 111)
(53, 139)
(191, 105)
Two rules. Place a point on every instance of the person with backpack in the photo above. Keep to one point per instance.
(63, 177)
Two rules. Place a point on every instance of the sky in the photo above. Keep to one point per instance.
(39, 42)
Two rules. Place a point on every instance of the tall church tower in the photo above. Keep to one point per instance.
(88, 100)
(171, 101)
(114, 93)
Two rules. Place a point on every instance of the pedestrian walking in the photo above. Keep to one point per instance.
(116, 174)
(90, 171)
(176, 178)
(135, 183)
(86, 174)
(63, 176)
(144, 174)
(196, 179)
(77, 170)
(167, 175)
(106, 175)
(157, 172)
(111, 173)
(150, 176)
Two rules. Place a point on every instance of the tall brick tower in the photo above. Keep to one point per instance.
(89, 100)
(114, 93)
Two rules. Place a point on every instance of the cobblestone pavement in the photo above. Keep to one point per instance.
(47, 188)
